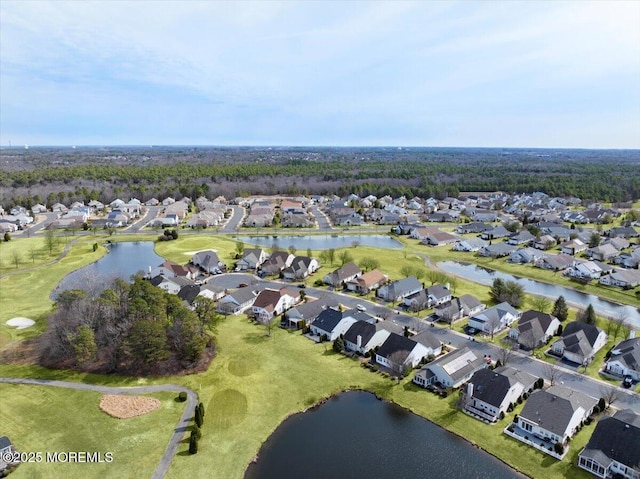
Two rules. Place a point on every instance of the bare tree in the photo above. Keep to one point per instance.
(494, 325)
(528, 340)
(267, 321)
(504, 352)
(399, 363)
(551, 372)
(619, 323)
(16, 258)
(610, 394)
(539, 303)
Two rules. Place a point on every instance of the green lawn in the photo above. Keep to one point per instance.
(50, 419)
(256, 381)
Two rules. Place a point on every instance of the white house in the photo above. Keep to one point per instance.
(451, 370)
(494, 319)
(489, 393)
(614, 447)
(332, 323)
(398, 352)
(270, 302)
(625, 359)
(579, 342)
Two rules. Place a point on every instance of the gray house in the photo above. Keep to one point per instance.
(399, 289)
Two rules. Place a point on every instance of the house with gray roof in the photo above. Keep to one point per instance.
(624, 278)
(488, 394)
(496, 250)
(340, 276)
(451, 370)
(398, 353)
(603, 252)
(332, 323)
(579, 342)
(521, 237)
(308, 311)
(475, 227)
(300, 268)
(495, 233)
(614, 447)
(494, 319)
(399, 289)
(458, 308)
(238, 301)
(438, 294)
(524, 255)
(208, 261)
(555, 414)
(554, 262)
(625, 359)
(534, 329)
(252, 258)
(469, 245)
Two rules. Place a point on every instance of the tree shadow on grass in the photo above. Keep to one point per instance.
(256, 338)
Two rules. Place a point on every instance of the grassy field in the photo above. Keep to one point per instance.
(49, 419)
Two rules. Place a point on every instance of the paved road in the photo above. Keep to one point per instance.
(321, 219)
(233, 223)
(178, 433)
(152, 212)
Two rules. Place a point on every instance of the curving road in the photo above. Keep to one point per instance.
(178, 433)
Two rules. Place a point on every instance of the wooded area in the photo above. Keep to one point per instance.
(51, 175)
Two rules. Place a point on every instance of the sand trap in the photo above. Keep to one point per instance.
(125, 407)
(21, 323)
(191, 253)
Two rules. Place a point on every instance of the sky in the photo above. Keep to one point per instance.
(321, 73)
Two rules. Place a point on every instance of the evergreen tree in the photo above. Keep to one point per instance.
(338, 344)
(588, 315)
(193, 443)
(560, 309)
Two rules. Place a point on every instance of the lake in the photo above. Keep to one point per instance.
(122, 261)
(355, 435)
(576, 298)
(319, 242)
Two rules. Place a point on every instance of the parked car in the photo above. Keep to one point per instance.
(361, 308)
(627, 382)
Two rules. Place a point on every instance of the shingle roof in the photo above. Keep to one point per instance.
(396, 343)
(328, 319)
(360, 328)
(617, 438)
(490, 387)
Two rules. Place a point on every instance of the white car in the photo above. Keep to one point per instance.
(360, 308)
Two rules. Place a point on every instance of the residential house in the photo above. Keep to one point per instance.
(534, 329)
(400, 289)
(555, 414)
(475, 227)
(544, 242)
(439, 238)
(585, 270)
(252, 258)
(525, 255)
(300, 268)
(437, 295)
(171, 285)
(59, 208)
(5, 447)
(212, 292)
(603, 252)
(628, 259)
(369, 281)
(555, 262)
(172, 269)
(270, 302)
(497, 250)
(614, 447)
(459, 308)
(623, 232)
(359, 335)
(495, 233)
(188, 294)
(331, 323)
(208, 261)
(340, 276)
(417, 301)
(494, 319)
(38, 208)
(308, 310)
(470, 245)
(278, 261)
(451, 370)
(237, 301)
(398, 352)
(625, 359)
(579, 342)
(624, 278)
(520, 238)
(573, 247)
(489, 393)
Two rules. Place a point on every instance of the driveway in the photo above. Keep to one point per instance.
(178, 433)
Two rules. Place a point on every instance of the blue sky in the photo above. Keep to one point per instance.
(513, 74)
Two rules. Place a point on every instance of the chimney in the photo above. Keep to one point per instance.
(632, 333)
(470, 390)
(359, 341)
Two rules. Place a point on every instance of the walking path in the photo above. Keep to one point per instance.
(178, 433)
(64, 253)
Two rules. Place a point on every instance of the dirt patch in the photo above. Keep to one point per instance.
(125, 407)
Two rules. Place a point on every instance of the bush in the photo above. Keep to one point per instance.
(515, 419)
(182, 397)
(501, 415)
(520, 400)
(559, 448)
(198, 432)
(193, 443)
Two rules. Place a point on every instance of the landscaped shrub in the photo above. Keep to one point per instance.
(198, 432)
(520, 400)
(558, 447)
(182, 396)
(539, 383)
(602, 404)
(501, 415)
(193, 443)
(515, 419)
(324, 338)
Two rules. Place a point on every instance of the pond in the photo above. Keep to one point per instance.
(122, 261)
(319, 242)
(355, 435)
(576, 298)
